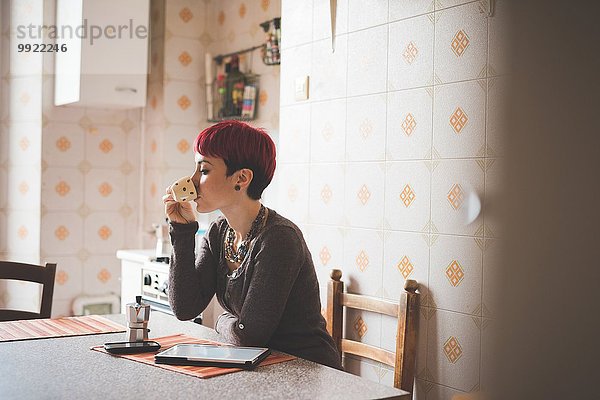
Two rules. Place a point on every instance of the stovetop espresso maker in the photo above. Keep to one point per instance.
(138, 315)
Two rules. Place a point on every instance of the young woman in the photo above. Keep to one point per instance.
(253, 259)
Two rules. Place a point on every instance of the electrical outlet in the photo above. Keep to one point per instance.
(301, 88)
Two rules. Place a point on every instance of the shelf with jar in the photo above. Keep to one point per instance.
(232, 93)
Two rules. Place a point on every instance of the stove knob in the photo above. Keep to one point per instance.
(164, 287)
(147, 280)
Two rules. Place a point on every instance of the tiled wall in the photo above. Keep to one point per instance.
(379, 165)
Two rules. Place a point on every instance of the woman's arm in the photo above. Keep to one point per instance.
(276, 267)
(191, 283)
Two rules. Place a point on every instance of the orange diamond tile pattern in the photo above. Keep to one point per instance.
(61, 232)
(292, 193)
(153, 146)
(263, 97)
(242, 10)
(24, 144)
(23, 188)
(324, 255)
(104, 232)
(184, 102)
(455, 273)
(366, 128)
(183, 146)
(458, 120)
(221, 18)
(63, 144)
(460, 42)
(264, 4)
(105, 146)
(452, 349)
(153, 189)
(360, 327)
(185, 59)
(186, 15)
(364, 194)
(62, 188)
(104, 276)
(407, 196)
(326, 194)
(456, 196)
(22, 232)
(362, 260)
(105, 189)
(410, 53)
(409, 124)
(62, 277)
(405, 267)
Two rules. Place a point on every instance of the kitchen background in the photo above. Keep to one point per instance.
(378, 167)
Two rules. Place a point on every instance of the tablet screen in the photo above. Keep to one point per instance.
(204, 352)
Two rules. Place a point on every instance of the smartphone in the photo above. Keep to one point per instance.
(131, 347)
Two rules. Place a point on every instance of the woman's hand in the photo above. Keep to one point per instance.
(181, 213)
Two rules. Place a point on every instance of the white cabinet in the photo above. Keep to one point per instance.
(105, 63)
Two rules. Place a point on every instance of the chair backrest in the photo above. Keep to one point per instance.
(29, 273)
(404, 358)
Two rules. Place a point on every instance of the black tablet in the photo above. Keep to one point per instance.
(212, 355)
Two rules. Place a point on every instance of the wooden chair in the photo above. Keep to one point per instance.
(29, 273)
(404, 358)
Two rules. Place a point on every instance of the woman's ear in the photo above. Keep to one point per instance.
(245, 177)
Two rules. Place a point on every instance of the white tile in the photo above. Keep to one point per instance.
(492, 277)
(61, 308)
(499, 40)
(62, 189)
(23, 235)
(294, 134)
(101, 275)
(105, 146)
(297, 26)
(460, 43)
(26, 97)
(296, 63)
(411, 53)
(405, 256)
(293, 192)
(497, 110)
(459, 120)
(178, 146)
(365, 369)
(153, 189)
(453, 349)
(368, 50)
(364, 195)
(185, 103)
(63, 144)
(3, 143)
(3, 184)
(328, 79)
(326, 195)
(407, 196)
(401, 9)
(104, 233)
(105, 116)
(363, 326)
(62, 233)
(184, 59)
(366, 128)
(2, 232)
(68, 282)
(363, 261)
(386, 376)
(105, 190)
(453, 183)
(489, 354)
(441, 4)
(328, 131)
(495, 200)
(366, 13)
(326, 244)
(439, 392)
(23, 188)
(322, 19)
(409, 126)
(455, 274)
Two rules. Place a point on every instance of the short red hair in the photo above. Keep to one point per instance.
(240, 146)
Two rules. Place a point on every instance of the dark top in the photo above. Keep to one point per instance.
(271, 300)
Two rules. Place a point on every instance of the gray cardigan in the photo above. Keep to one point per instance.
(271, 300)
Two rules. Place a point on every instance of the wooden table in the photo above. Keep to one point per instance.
(65, 367)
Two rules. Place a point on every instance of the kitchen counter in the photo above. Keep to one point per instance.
(67, 368)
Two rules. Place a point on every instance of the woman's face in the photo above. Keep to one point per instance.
(215, 189)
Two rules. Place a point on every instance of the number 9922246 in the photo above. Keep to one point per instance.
(41, 48)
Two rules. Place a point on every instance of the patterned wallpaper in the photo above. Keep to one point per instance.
(380, 164)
